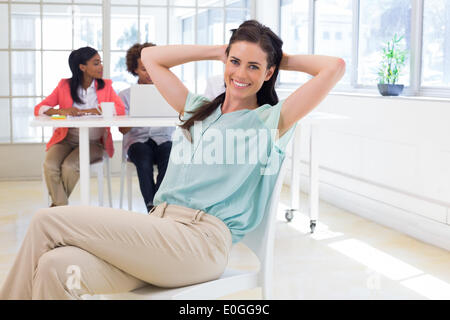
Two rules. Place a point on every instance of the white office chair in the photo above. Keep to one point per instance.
(260, 241)
(98, 169)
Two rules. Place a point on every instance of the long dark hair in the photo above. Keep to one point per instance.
(77, 57)
(270, 43)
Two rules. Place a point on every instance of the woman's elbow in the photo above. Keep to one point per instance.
(147, 54)
(340, 67)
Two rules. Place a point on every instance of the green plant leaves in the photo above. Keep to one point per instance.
(393, 60)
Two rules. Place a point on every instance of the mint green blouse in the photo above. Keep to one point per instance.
(230, 168)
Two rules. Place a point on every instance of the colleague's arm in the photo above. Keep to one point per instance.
(327, 71)
(73, 111)
(51, 101)
(159, 59)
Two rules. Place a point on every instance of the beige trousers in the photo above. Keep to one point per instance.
(70, 251)
(62, 168)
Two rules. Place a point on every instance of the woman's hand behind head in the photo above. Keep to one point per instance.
(223, 54)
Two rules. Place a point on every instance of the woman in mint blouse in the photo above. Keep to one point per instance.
(216, 164)
(223, 165)
(248, 114)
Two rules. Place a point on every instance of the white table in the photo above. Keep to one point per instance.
(316, 120)
(86, 122)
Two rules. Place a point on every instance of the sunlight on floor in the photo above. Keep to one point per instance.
(377, 262)
(375, 259)
(429, 286)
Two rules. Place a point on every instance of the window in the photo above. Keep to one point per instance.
(182, 31)
(436, 44)
(335, 18)
(214, 27)
(38, 35)
(379, 20)
(209, 31)
(294, 33)
(36, 48)
(182, 22)
(129, 25)
(357, 30)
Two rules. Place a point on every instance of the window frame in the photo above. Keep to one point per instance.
(41, 50)
(415, 88)
(106, 11)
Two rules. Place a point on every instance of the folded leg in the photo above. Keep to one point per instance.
(71, 272)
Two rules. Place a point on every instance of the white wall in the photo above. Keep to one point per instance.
(24, 161)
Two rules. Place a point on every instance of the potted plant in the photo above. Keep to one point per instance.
(393, 60)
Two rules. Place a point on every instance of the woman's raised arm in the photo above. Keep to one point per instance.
(327, 71)
(159, 59)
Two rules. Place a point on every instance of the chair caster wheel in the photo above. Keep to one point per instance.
(289, 215)
(312, 225)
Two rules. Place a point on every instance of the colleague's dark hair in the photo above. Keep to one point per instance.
(271, 44)
(133, 54)
(77, 57)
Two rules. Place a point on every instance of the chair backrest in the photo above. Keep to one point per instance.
(261, 240)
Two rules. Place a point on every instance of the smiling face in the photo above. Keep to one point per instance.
(246, 70)
(93, 67)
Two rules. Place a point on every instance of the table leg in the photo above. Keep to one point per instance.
(84, 166)
(295, 175)
(313, 178)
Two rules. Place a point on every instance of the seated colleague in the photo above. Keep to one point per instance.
(76, 96)
(148, 145)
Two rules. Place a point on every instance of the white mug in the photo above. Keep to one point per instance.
(107, 109)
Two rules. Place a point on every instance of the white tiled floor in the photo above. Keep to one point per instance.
(347, 257)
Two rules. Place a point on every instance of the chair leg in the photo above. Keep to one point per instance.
(108, 180)
(129, 187)
(100, 183)
(266, 275)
